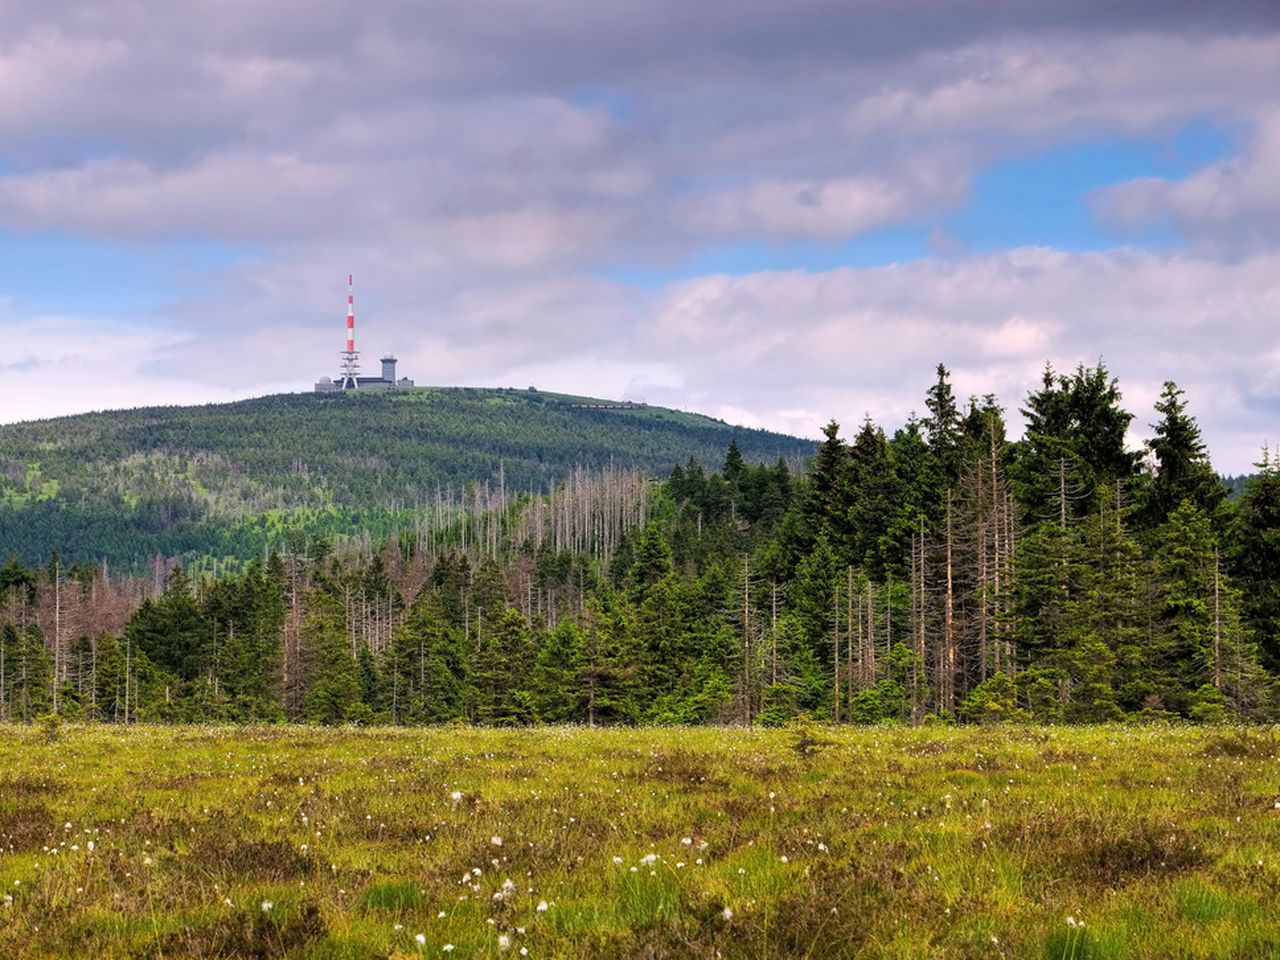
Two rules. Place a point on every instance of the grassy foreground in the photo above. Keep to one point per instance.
(1055, 843)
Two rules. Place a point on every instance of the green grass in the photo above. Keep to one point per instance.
(654, 842)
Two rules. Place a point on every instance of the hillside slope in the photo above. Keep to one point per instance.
(127, 485)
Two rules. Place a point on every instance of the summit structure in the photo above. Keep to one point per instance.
(349, 370)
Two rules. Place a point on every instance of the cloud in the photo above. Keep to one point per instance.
(549, 136)
(479, 167)
(1235, 203)
(789, 350)
(866, 340)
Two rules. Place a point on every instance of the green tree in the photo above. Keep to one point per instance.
(335, 692)
(500, 659)
(1182, 468)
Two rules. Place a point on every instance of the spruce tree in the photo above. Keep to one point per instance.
(1255, 558)
(502, 651)
(335, 690)
(1182, 469)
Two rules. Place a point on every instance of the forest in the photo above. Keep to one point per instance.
(224, 482)
(944, 572)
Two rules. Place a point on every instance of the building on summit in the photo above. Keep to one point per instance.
(349, 374)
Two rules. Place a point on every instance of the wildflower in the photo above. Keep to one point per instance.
(447, 948)
(399, 927)
(455, 796)
(147, 861)
(542, 906)
(617, 860)
(649, 858)
(504, 942)
(524, 951)
(496, 840)
(90, 846)
(421, 938)
(227, 901)
(728, 913)
(687, 841)
(440, 915)
(266, 906)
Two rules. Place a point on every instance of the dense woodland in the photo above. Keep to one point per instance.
(942, 572)
(225, 481)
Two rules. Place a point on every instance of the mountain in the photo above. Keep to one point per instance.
(227, 480)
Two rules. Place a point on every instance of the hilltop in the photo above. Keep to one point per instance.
(219, 479)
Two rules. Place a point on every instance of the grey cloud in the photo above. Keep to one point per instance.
(472, 163)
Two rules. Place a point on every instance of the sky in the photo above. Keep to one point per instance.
(776, 213)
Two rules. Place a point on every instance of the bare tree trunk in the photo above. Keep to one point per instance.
(871, 637)
(773, 638)
(835, 662)
(746, 638)
(1217, 621)
(949, 634)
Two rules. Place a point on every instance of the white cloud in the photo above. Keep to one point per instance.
(1235, 203)
(471, 166)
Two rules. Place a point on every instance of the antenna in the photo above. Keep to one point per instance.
(350, 356)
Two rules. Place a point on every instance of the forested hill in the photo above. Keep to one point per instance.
(224, 479)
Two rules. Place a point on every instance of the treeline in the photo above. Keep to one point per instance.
(941, 572)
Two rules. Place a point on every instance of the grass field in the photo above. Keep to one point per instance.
(1054, 843)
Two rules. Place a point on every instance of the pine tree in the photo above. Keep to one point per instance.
(335, 691)
(944, 430)
(609, 676)
(1182, 469)
(501, 654)
(554, 680)
(1255, 558)
(428, 678)
(875, 509)
(1183, 651)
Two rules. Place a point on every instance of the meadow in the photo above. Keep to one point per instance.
(1101, 842)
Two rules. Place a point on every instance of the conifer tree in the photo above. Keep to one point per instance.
(501, 698)
(428, 679)
(944, 430)
(1255, 558)
(1182, 470)
(335, 691)
(554, 684)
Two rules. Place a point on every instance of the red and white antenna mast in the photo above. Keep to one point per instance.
(350, 357)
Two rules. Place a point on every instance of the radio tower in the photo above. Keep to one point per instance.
(350, 356)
